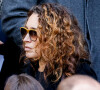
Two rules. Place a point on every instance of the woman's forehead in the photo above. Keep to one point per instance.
(32, 21)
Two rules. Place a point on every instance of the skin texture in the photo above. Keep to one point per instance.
(31, 48)
(79, 82)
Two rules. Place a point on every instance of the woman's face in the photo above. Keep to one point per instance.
(32, 48)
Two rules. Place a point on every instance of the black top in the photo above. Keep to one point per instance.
(11, 64)
(83, 68)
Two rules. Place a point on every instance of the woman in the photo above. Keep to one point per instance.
(54, 46)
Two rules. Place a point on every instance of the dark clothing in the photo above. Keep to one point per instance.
(92, 33)
(11, 61)
(11, 66)
(14, 14)
(83, 68)
(2, 35)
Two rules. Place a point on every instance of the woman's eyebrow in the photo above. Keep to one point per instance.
(30, 27)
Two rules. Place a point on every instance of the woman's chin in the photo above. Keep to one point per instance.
(30, 55)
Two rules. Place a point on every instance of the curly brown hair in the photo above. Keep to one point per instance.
(62, 42)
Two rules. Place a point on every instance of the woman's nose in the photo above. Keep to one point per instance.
(27, 38)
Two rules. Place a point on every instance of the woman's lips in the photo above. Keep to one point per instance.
(27, 48)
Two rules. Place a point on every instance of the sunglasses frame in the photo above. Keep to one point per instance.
(28, 32)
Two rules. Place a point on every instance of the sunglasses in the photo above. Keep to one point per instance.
(32, 33)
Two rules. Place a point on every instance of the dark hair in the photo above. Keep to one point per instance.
(61, 38)
(22, 82)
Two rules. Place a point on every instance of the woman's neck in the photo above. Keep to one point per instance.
(41, 66)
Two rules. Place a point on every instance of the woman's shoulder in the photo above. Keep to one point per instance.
(84, 68)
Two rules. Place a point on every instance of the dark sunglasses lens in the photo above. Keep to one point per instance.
(33, 35)
(23, 32)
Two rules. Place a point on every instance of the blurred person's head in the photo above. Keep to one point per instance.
(22, 82)
(51, 35)
(79, 82)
